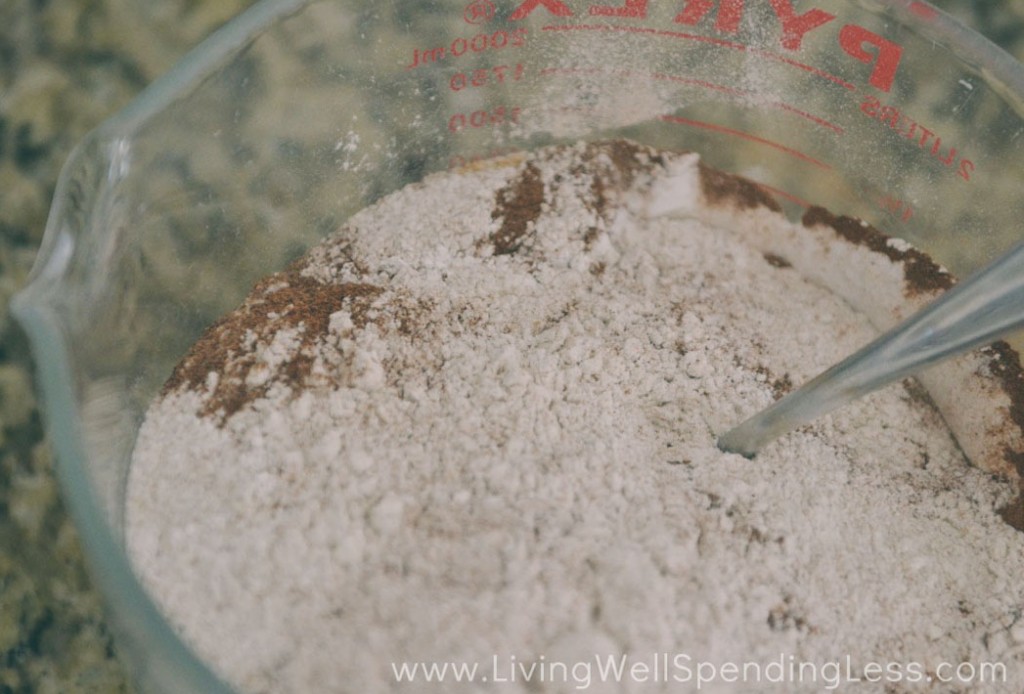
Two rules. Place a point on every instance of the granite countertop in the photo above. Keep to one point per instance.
(65, 66)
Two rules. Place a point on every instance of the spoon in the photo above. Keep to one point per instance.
(975, 312)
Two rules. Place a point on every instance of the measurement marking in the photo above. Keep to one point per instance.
(732, 91)
(706, 39)
(747, 136)
(814, 119)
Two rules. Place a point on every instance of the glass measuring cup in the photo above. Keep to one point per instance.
(299, 113)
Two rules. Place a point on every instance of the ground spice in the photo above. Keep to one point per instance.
(923, 275)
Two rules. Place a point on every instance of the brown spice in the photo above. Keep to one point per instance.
(781, 386)
(520, 203)
(1004, 363)
(630, 158)
(517, 205)
(720, 188)
(627, 159)
(606, 167)
(921, 273)
(599, 202)
(282, 300)
(1013, 512)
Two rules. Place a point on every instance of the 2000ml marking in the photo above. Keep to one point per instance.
(478, 43)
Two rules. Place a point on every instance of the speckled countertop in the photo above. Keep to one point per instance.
(65, 65)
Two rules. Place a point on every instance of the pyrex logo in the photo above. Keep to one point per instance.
(878, 53)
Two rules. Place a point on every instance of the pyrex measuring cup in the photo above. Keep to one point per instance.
(297, 114)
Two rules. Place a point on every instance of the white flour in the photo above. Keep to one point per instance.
(490, 439)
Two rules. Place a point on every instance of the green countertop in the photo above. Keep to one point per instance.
(65, 65)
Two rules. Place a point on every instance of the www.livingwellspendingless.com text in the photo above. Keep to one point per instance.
(681, 670)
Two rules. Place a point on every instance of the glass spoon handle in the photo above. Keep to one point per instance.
(977, 311)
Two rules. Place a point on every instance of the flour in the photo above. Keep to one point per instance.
(477, 425)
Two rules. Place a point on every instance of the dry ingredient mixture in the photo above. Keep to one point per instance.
(477, 425)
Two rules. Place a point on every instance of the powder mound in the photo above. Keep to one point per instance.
(272, 339)
(594, 178)
(488, 440)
